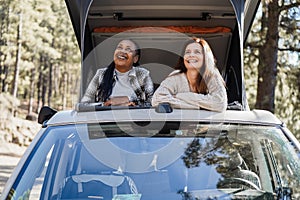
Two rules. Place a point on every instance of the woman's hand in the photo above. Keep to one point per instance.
(119, 101)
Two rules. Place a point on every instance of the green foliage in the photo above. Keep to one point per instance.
(287, 93)
(288, 98)
(48, 42)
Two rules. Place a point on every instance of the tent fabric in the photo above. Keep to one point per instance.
(163, 29)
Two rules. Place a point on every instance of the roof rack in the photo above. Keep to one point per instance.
(89, 107)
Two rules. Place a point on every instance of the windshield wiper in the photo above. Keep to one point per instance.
(282, 192)
(257, 194)
(264, 194)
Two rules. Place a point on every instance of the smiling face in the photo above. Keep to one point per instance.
(125, 55)
(193, 56)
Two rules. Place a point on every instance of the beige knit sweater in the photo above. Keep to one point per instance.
(176, 91)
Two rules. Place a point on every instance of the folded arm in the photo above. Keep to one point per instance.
(215, 100)
(89, 96)
(169, 92)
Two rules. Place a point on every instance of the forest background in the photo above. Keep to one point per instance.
(40, 63)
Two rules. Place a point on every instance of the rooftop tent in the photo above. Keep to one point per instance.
(160, 28)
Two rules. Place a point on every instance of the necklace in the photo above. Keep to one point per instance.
(192, 86)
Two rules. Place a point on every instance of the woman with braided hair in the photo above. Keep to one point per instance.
(122, 82)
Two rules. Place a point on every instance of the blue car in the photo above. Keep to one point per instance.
(144, 152)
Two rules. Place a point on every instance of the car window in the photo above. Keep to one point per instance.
(171, 160)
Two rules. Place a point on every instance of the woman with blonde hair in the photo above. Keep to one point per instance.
(196, 83)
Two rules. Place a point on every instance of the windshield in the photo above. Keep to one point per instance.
(160, 160)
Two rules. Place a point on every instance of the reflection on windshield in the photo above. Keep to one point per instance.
(225, 159)
(169, 161)
(208, 159)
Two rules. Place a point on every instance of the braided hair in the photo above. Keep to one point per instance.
(104, 89)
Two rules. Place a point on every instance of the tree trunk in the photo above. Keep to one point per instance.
(39, 85)
(18, 59)
(44, 84)
(1, 72)
(50, 84)
(65, 90)
(4, 74)
(4, 24)
(56, 80)
(31, 92)
(267, 68)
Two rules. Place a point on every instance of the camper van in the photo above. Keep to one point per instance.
(146, 152)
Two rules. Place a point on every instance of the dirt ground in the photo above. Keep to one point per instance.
(16, 134)
(10, 155)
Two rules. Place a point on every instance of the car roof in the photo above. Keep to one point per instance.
(85, 14)
(255, 117)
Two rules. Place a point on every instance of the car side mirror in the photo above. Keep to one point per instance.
(45, 114)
